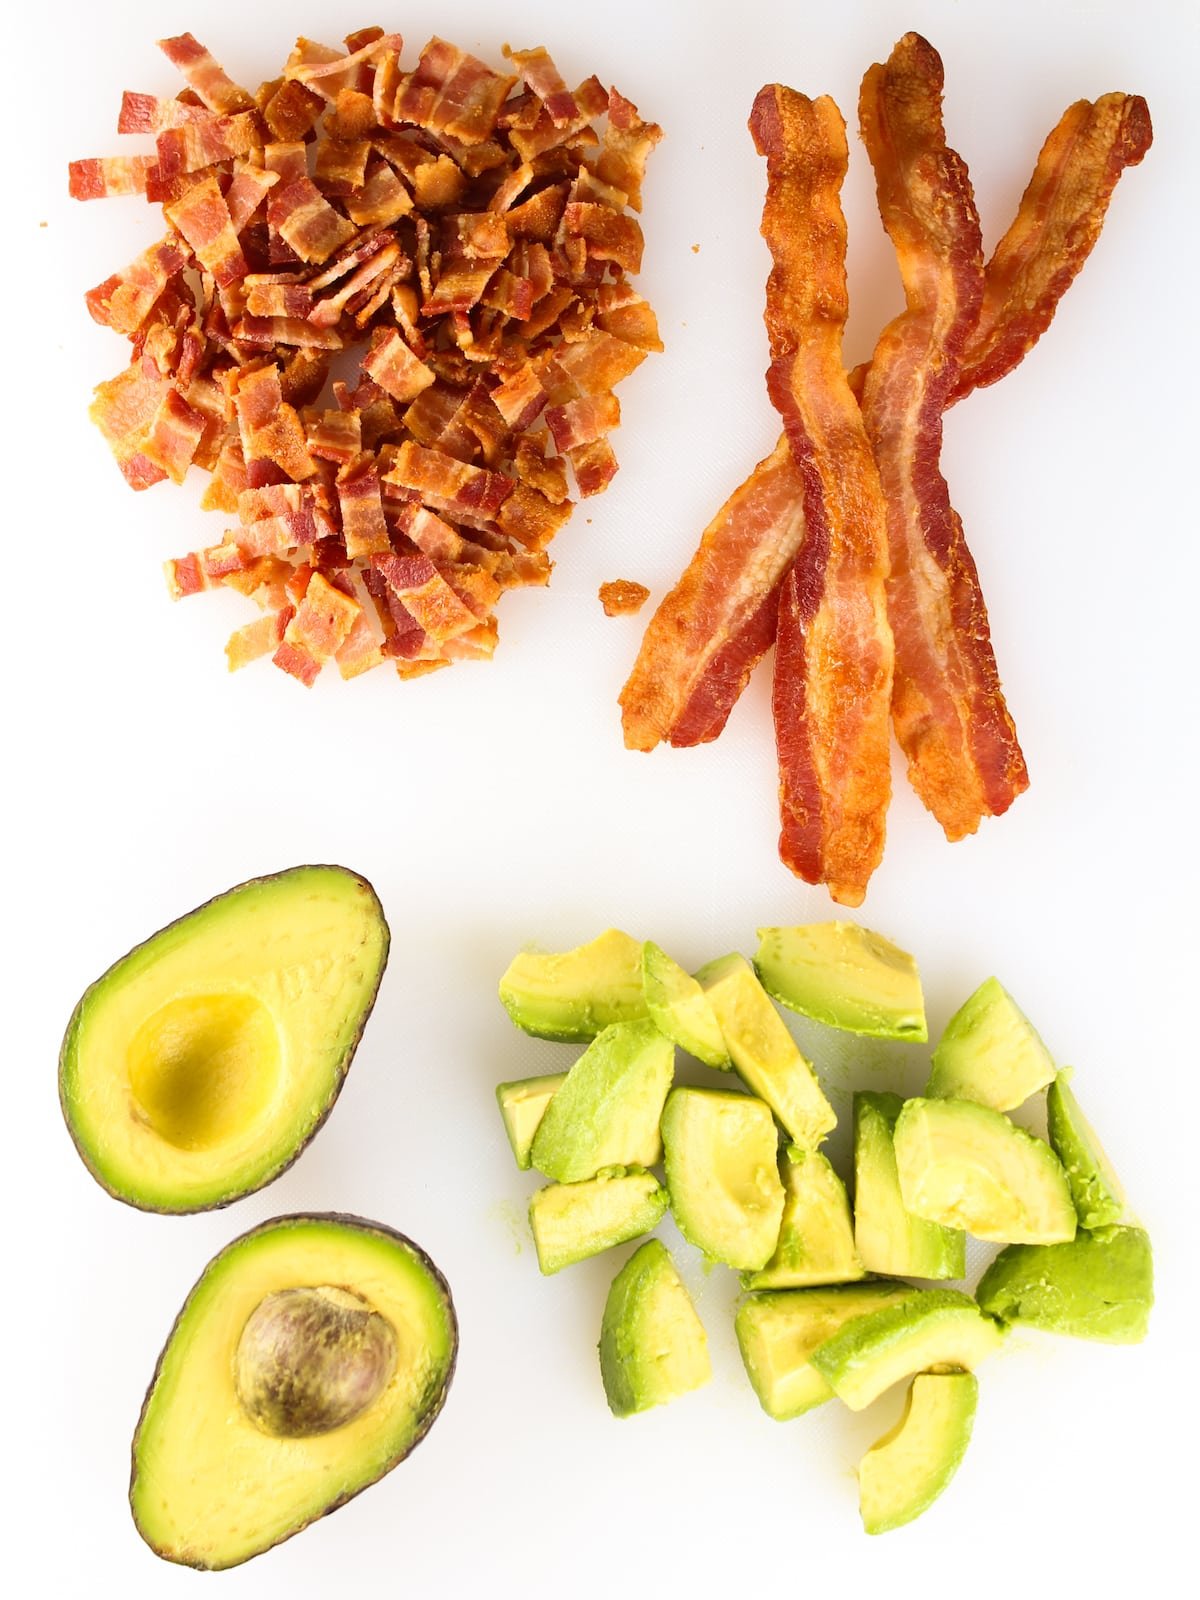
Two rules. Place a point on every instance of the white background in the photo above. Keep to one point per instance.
(495, 805)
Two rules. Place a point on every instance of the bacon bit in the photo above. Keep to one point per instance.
(951, 719)
(833, 679)
(469, 234)
(622, 597)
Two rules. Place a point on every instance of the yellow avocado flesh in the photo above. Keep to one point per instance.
(816, 1236)
(844, 976)
(903, 1473)
(571, 1221)
(930, 1328)
(523, 1105)
(209, 1488)
(576, 994)
(201, 1063)
(990, 1052)
(726, 1196)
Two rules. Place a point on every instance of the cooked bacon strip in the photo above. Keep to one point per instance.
(392, 365)
(124, 410)
(451, 92)
(306, 221)
(583, 421)
(145, 113)
(628, 143)
(338, 72)
(173, 435)
(204, 75)
(950, 716)
(449, 485)
(1056, 226)
(257, 638)
(320, 627)
(246, 193)
(105, 177)
(124, 301)
(204, 144)
(364, 527)
(832, 689)
(545, 80)
(743, 555)
(431, 602)
(202, 217)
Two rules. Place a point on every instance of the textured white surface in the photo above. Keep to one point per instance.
(493, 806)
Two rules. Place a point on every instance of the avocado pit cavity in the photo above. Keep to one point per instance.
(311, 1360)
(203, 1068)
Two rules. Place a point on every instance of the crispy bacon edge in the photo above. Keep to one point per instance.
(833, 671)
(948, 708)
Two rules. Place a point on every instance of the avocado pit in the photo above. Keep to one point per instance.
(311, 1360)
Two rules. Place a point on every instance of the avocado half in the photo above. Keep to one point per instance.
(312, 1356)
(201, 1064)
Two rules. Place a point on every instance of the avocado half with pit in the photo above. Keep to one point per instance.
(201, 1064)
(311, 1357)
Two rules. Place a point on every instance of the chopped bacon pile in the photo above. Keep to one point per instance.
(788, 560)
(473, 232)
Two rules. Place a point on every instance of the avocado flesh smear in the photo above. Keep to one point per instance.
(575, 994)
(930, 1328)
(903, 1473)
(202, 1062)
(889, 1239)
(763, 1051)
(990, 1052)
(210, 1487)
(965, 1166)
(720, 1152)
(1095, 1188)
(571, 1221)
(816, 1236)
(606, 1113)
(777, 1333)
(653, 1347)
(844, 976)
(1099, 1286)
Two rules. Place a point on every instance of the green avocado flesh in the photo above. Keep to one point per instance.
(965, 1166)
(680, 1008)
(523, 1105)
(571, 1221)
(606, 1113)
(929, 1328)
(1095, 1188)
(1099, 1286)
(889, 1238)
(200, 1065)
(778, 1332)
(816, 1236)
(990, 1052)
(903, 1473)
(311, 1357)
(576, 994)
(653, 1347)
(845, 976)
(764, 1052)
(726, 1196)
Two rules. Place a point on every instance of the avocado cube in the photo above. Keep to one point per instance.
(1098, 1286)
(571, 1221)
(726, 1196)
(888, 1237)
(653, 1347)
(903, 1473)
(575, 994)
(764, 1053)
(606, 1113)
(844, 976)
(523, 1104)
(679, 1008)
(1095, 1188)
(816, 1236)
(990, 1052)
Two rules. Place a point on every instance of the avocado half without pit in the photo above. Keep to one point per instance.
(201, 1064)
(312, 1356)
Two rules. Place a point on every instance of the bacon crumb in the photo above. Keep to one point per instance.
(622, 597)
(468, 234)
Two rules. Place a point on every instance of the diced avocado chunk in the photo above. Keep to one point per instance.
(764, 1052)
(653, 1347)
(523, 1105)
(903, 1473)
(1095, 1188)
(607, 1111)
(816, 1236)
(845, 976)
(990, 1052)
(778, 1332)
(679, 1008)
(726, 1196)
(930, 1328)
(571, 1221)
(888, 1237)
(576, 994)
(966, 1166)
(1099, 1286)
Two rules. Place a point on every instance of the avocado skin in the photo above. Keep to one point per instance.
(344, 1219)
(68, 1043)
(1099, 1286)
